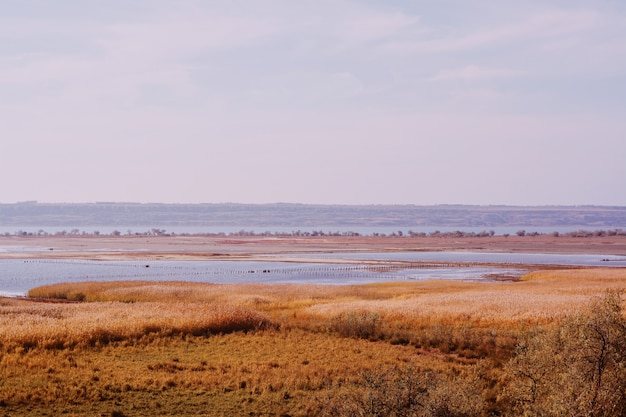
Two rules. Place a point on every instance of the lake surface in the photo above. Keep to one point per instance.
(17, 276)
(480, 257)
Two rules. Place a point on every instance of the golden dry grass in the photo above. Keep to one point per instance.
(403, 312)
(266, 373)
(189, 348)
(90, 324)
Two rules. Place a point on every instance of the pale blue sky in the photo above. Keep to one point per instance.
(348, 102)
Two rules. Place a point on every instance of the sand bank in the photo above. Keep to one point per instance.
(247, 247)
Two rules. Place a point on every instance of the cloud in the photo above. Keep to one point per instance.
(475, 72)
(369, 26)
(389, 92)
(172, 37)
(539, 26)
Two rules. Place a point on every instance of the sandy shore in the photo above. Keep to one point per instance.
(245, 247)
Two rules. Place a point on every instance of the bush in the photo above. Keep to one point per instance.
(578, 369)
(408, 392)
(361, 325)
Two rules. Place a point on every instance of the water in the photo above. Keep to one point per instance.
(17, 276)
(478, 257)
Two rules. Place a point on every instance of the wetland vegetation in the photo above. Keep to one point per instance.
(548, 345)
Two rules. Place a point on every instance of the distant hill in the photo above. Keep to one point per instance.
(305, 215)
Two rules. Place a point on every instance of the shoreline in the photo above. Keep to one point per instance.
(199, 247)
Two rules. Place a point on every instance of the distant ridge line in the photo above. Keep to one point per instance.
(307, 215)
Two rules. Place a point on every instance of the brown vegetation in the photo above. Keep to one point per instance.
(410, 348)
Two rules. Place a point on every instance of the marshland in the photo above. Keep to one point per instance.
(549, 342)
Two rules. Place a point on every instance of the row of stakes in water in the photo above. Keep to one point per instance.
(352, 271)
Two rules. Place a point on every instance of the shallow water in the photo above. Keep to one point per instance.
(481, 257)
(17, 276)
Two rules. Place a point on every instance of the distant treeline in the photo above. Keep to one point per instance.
(299, 233)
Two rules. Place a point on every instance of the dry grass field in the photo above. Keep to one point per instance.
(410, 348)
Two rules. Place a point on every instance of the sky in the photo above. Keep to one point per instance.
(326, 102)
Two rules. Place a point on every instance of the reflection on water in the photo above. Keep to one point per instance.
(18, 276)
(480, 257)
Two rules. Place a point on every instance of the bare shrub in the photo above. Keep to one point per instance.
(408, 392)
(579, 369)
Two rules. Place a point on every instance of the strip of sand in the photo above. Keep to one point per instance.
(249, 247)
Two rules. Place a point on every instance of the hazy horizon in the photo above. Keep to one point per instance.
(27, 202)
(342, 102)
